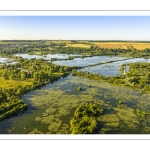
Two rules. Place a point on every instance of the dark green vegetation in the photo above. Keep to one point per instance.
(79, 88)
(11, 106)
(84, 120)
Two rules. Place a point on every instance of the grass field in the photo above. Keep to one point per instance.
(13, 83)
(138, 46)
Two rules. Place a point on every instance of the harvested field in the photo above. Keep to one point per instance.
(139, 46)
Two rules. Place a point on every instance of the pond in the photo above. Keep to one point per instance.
(75, 62)
(51, 108)
(87, 61)
(46, 57)
(7, 61)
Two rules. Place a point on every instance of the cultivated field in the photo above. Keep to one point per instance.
(138, 46)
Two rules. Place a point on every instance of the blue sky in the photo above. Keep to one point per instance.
(75, 27)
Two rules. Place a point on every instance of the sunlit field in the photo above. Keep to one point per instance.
(123, 45)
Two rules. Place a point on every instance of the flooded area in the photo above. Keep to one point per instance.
(113, 69)
(46, 57)
(87, 61)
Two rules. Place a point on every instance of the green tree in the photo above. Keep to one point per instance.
(148, 76)
(35, 75)
(5, 75)
(11, 77)
(23, 76)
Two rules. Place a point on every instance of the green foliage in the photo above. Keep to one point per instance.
(140, 91)
(85, 126)
(84, 120)
(5, 75)
(13, 107)
(23, 76)
(120, 102)
(79, 89)
(11, 77)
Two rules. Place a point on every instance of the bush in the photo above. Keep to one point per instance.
(120, 102)
(79, 88)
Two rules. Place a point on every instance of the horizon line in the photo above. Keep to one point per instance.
(69, 40)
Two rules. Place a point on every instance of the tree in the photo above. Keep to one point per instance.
(5, 75)
(11, 77)
(79, 88)
(148, 76)
(23, 76)
(36, 75)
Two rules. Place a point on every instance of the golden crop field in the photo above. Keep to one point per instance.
(139, 46)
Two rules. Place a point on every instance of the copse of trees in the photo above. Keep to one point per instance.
(14, 106)
(139, 75)
(84, 120)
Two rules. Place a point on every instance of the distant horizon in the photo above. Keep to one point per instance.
(76, 40)
(96, 28)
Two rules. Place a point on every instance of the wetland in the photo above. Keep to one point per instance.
(47, 89)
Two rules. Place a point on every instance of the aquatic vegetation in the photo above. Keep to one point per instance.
(142, 113)
(51, 111)
(54, 126)
(36, 131)
(63, 111)
(64, 129)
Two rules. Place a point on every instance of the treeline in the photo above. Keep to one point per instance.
(69, 58)
(85, 74)
(43, 48)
